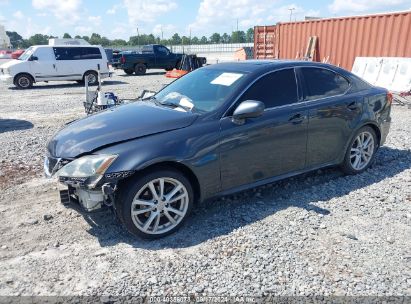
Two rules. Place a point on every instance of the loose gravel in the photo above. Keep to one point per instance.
(321, 233)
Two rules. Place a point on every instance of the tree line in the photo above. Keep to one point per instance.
(17, 40)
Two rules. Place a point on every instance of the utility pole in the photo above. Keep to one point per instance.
(138, 38)
(291, 12)
(162, 38)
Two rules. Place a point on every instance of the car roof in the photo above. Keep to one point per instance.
(262, 65)
(66, 45)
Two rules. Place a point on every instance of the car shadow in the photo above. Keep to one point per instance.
(8, 125)
(222, 216)
(70, 85)
(146, 74)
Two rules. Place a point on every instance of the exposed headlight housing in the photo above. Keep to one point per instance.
(89, 168)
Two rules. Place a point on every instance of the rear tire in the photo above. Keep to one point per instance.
(153, 216)
(23, 81)
(92, 77)
(360, 154)
(128, 72)
(140, 69)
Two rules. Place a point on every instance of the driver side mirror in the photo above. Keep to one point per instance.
(248, 109)
(33, 58)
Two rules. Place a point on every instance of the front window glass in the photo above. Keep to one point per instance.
(202, 90)
(26, 55)
(274, 90)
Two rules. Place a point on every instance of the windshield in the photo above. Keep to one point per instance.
(202, 90)
(26, 55)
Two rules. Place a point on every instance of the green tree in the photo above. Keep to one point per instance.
(175, 39)
(203, 40)
(15, 39)
(67, 36)
(250, 35)
(87, 38)
(238, 37)
(104, 41)
(95, 39)
(118, 42)
(225, 38)
(215, 38)
(77, 37)
(185, 40)
(195, 40)
(38, 39)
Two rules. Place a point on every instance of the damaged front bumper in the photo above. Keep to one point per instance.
(90, 193)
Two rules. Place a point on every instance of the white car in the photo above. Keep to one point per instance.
(48, 63)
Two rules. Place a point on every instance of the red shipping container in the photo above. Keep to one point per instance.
(339, 39)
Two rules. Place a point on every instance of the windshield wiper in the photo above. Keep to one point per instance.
(177, 105)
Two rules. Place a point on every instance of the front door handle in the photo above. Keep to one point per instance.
(297, 118)
(353, 105)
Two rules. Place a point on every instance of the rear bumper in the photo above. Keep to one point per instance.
(385, 129)
(8, 79)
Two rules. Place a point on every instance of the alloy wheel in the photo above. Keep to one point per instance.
(362, 150)
(91, 78)
(160, 205)
(24, 82)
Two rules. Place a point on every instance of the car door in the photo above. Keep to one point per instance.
(332, 112)
(162, 57)
(270, 145)
(66, 62)
(43, 64)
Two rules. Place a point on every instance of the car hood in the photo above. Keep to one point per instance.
(10, 63)
(116, 125)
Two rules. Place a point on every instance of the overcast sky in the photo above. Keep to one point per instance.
(121, 18)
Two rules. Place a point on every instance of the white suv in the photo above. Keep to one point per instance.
(47, 63)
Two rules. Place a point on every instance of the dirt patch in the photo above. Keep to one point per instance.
(12, 174)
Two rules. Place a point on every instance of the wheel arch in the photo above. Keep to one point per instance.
(84, 74)
(370, 124)
(373, 126)
(140, 62)
(173, 165)
(23, 73)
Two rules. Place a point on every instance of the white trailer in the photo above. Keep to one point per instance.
(4, 39)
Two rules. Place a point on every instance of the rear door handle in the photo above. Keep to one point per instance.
(353, 105)
(297, 118)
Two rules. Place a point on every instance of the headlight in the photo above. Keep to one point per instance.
(87, 166)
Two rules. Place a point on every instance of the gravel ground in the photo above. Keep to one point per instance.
(322, 233)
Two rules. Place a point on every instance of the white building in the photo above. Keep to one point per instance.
(4, 39)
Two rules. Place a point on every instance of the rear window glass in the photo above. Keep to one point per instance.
(74, 53)
(321, 83)
(147, 49)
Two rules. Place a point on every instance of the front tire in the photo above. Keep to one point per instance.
(23, 81)
(140, 69)
(156, 204)
(360, 153)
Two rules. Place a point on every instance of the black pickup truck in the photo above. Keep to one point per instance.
(153, 56)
